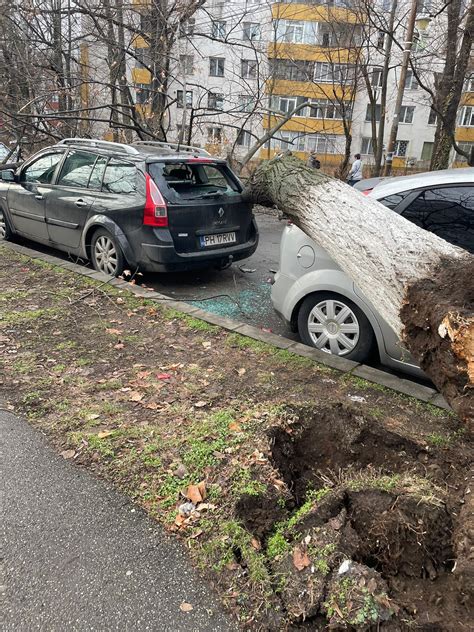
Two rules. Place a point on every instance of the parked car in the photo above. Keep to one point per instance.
(154, 206)
(367, 184)
(317, 299)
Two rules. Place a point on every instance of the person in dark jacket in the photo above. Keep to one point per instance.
(313, 161)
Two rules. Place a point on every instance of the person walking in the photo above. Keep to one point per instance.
(313, 161)
(355, 174)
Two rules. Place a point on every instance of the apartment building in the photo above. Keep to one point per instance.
(240, 67)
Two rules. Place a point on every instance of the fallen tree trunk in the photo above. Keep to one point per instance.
(420, 284)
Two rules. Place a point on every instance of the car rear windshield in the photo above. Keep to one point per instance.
(193, 180)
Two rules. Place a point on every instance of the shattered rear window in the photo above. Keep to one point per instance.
(192, 181)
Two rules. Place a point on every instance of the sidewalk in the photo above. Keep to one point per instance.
(79, 556)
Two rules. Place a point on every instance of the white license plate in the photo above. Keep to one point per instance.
(218, 240)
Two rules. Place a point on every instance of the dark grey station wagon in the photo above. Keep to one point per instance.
(154, 206)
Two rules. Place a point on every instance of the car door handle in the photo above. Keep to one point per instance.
(38, 196)
(81, 202)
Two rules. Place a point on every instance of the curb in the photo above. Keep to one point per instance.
(376, 376)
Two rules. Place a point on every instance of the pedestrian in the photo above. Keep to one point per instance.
(355, 174)
(313, 161)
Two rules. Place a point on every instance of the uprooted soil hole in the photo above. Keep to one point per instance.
(365, 488)
(324, 442)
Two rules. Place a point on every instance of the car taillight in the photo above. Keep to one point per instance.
(367, 191)
(156, 211)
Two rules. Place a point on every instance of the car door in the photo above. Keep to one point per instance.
(26, 198)
(69, 203)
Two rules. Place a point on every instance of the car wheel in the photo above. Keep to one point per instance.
(5, 230)
(334, 324)
(106, 254)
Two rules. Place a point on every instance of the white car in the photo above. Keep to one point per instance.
(319, 301)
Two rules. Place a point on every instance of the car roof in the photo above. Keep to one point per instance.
(139, 150)
(422, 180)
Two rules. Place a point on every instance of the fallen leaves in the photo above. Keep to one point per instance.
(186, 607)
(163, 376)
(104, 434)
(241, 372)
(114, 332)
(68, 454)
(135, 396)
(196, 493)
(300, 559)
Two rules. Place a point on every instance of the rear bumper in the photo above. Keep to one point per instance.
(162, 257)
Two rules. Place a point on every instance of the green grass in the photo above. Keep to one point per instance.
(14, 318)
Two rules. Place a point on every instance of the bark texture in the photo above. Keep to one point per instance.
(390, 259)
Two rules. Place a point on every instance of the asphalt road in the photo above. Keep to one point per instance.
(78, 556)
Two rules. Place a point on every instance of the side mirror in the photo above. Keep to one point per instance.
(8, 175)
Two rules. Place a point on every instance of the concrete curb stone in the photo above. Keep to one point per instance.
(404, 386)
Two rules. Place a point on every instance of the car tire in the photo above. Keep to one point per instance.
(106, 254)
(334, 324)
(5, 231)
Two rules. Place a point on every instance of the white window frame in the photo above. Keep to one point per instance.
(411, 83)
(215, 61)
(219, 29)
(212, 134)
(251, 31)
(247, 64)
(179, 98)
(407, 112)
(218, 99)
(398, 146)
(367, 146)
(246, 138)
(466, 116)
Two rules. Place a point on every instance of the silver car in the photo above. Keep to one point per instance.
(319, 301)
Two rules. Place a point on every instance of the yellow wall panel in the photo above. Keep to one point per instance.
(141, 75)
(284, 87)
(139, 42)
(310, 52)
(306, 124)
(467, 98)
(465, 134)
(314, 13)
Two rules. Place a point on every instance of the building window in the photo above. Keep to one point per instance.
(467, 147)
(244, 139)
(187, 63)
(376, 79)
(469, 84)
(411, 83)
(214, 135)
(401, 148)
(427, 151)
(292, 70)
(291, 31)
(215, 101)
(283, 104)
(290, 140)
(246, 103)
(251, 31)
(142, 93)
(466, 116)
(219, 29)
(333, 73)
(324, 144)
(325, 109)
(249, 68)
(373, 110)
(179, 98)
(432, 117)
(185, 28)
(216, 66)
(424, 7)
(367, 147)
(406, 113)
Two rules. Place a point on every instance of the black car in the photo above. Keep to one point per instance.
(154, 206)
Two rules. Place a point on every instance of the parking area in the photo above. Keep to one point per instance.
(241, 292)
